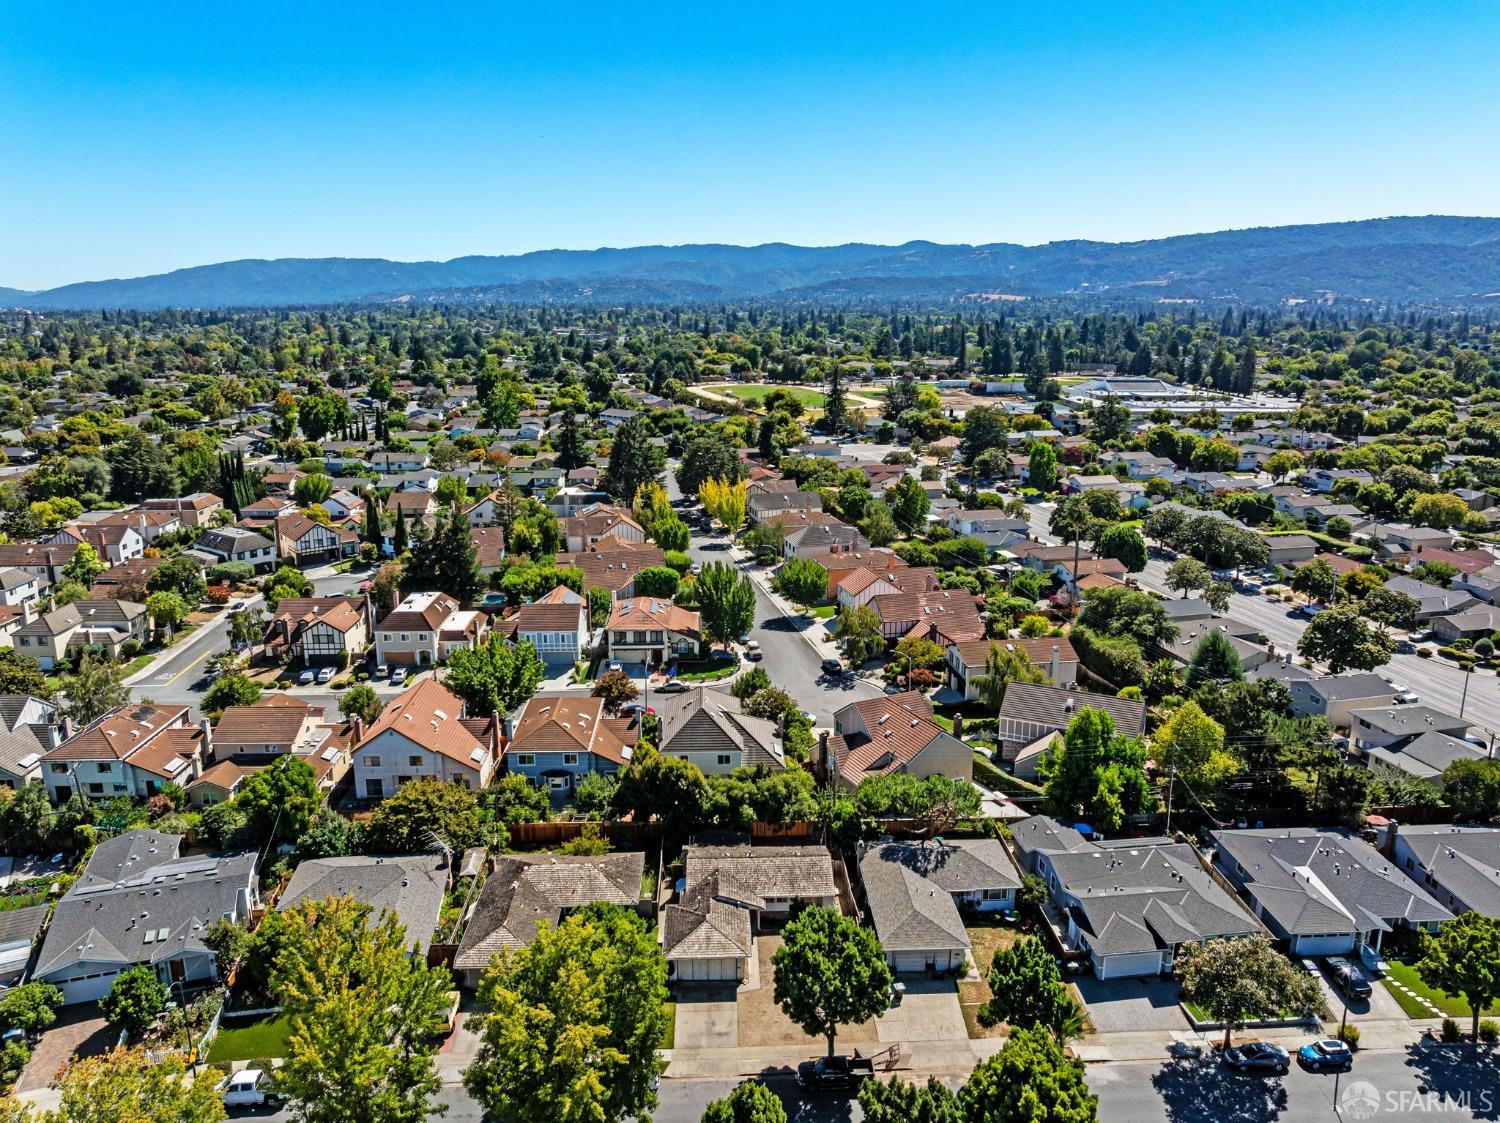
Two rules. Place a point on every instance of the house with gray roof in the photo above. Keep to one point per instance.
(917, 892)
(1425, 756)
(1391, 726)
(1432, 600)
(1321, 889)
(711, 729)
(410, 888)
(141, 901)
(1034, 711)
(1132, 903)
(1336, 697)
(29, 728)
(1459, 865)
(19, 929)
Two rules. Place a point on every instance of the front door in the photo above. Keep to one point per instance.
(177, 970)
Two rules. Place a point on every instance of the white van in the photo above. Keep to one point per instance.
(250, 1087)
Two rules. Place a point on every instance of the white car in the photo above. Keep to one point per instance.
(752, 651)
(398, 676)
(250, 1087)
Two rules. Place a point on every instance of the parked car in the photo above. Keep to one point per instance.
(1326, 1054)
(307, 677)
(1405, 647)
(696, 569)
(1311, 610)
(614, 665)
(834, 1074)
(398, 675)
(325, 675)
(1349, 978)
(1257, 1056)
(832, 667)
(672, 686)
(1421, 636)
(753, 651)
(250, 1087)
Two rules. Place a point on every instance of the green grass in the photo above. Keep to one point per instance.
(263, 1038)
(669, 1038)
(759, 392)
(1449, 1004)
(703, 671)
(824, 612)
(140, 662)
(1202, 1015)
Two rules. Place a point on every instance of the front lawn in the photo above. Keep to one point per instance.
(704, 670)
(1451, 1005)
(985, 939)
(824, 612)
(265, 1037)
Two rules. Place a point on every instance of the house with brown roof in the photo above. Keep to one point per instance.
(652, 631)
(874, 561)
(45, 559)
(113, 543)
(150, 525)
(585, 530)
(128, 580)
(105, 625)
(320, 631)
(424, 629)
(893, 733)
(613, 564)
(862, 585)
(558, 739)
(278, 725)
(310, 543)
(415, 504)
(489, 547)
(557, 625)
(942, 615)
(131, 751)
(266, 510)
(422, 735)
(824, 542)
(218, 783)
(1052, 655)
(197, 509)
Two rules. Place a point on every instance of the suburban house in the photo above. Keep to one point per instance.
(1336, 697)
(19, 929)
(1243, 637)
(1459, 865)
(1130, 904)
(968, 659)
(1322, 890)
(150, 525)
(28, 730)
(320, 631)
(525, 891)
(729, 892)
(893, 733)
(558, 739)
(277, 725)
(857, 570)
(45, 559)
(710, 728)
(132, 751)
(308, 543)
(105, 625)
(421, 736)
(651, 631)
(918, 893)
(489, 548)
(1475, 622)
(410, 888)
(557, 625)
(1432, 600)
(585, 530)
(613, 564)
(19, 586)
(1289, 549)
(768, 498)
(218, 783)
(824, 541)
(1425, 756)
(237, 544)
(424, 629)
(113, 544)
(942, 615)
(1390, 726)
(197, 509)
(139, 902)
(1032, 713)
(418, 503)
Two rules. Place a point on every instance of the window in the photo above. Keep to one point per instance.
(655, 637)
(414, 761)
(421, 637)
(25, 641)
(96, 789)
(996, 894)
(400, 780)
(372, 762)
(375, 789)
(385, 637)
(59, 768)
(461, 781)
(570, 758)
(405, 637)
(723, 758)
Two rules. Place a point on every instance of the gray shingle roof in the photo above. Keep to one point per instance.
(1426, 756)
(767, 871)
(910, 887)
(410, 888)
(1465, 861)
(710, 721)
(1056, 707)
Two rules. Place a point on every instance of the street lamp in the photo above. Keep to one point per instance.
(1464, 701)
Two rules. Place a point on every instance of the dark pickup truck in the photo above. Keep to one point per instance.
(833, 1074)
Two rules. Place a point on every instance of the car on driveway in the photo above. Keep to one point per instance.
(834, 1074)
(1325, 1055)
(1348, 977)
(753, 651)
(325, 675)
(307, 677)
(1256, 1056)
(614, 665)
(398, 675)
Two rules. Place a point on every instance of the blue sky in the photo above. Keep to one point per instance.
(142, 138)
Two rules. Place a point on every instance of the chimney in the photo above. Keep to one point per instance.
(1056, 669)
(958, 725)
(1388, 840)
(67, 728)
(208, 738)
(356, 730)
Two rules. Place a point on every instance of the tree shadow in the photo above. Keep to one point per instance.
(1464, 1073)
(808, 1107)
(1194, 1090)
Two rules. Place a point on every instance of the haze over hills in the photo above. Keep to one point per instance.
(1432, 260)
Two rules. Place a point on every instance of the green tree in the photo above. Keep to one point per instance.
(31, 1007)
(1214, 660)
(617, 689)
(22, 674)
(1472, 789)
(83, 566)
(1338, 637)
(1125, 612)
(514, 799)
(1315, 580)
(803, 582)
(1095, 775)
(707, 454)
(633, 460)
(1027, 990)
(444, 561)
(127, 1086)
(665, 788)
(362, 702)
(1029, 1079)
(28, 818)
(1464, 958)
(830, 971)
(280, 800)
(878, 525)
(134, 1001)
(495, 677)
(896, 1101)
(366, 1016)
(420, 814)
(985, 429)
(909, 504)
(452, 492)
(94, 689)
(167, 609)
(1390, 609)
(1244, 979)
(230, 690)
(1123, 543)
(1004, 664)
(1191, 744)
(750, 1102)
(937, 801)
(312, 488)
(570, 1023)
(859, 635)
(1042, 468)
(656, 581)
(726, 603)
(1188, 574)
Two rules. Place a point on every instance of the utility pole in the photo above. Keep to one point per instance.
(1464, 701)
(1171, 783)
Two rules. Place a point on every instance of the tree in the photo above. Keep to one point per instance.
(1042, 467)
(1472, 788)
(803, 582)
(750, 1102)
(31, 1007)
(312, 488)
(1390, 609)
(1191, 744)
(1315, 580)
(707, 454)
(878, 525)
(1123, 543)
(1125, 612)
(141, 468)
(280, 800)
(1338, 637)
(94, 689)
(27, 819)
(1027, 991)
(859, 635)
(725, 499)
(127, 1086)
(1464, 958)
(726, 603)
(22, 674)
(1187, 574)
(669, 789)
(1244, 979)
(1095, 775)
(366, 1015)
(361, 701)
(421, 814)
(617, 689)
(444, 561)
(909, 504)
(896, 1101)
(656, 581)
(230, 690)
(167, 609)
(1030, 1079)
(1438, 510)
(1004, 665)
(134, 1001)
(83, 566)
(452, 492)
(633, 460)
(830, 971)
(571, 1022)
(495, 677)
(515, 799)
(1280, 465)
(1214, 660)
(939, 801)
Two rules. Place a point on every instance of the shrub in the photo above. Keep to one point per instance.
(1489, 1030)
(1449, 1031)
(1349, 1035)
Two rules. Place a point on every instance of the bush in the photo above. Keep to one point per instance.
(1489, 1030)
(1349, 1035)
(678, 560)
(1449, 1031)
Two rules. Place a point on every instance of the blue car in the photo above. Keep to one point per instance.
(1328, 1054)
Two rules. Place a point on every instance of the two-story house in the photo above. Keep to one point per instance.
(651, 631)
(19, 586)
(585, 530)
(308, 543)
(558, 739)
(237, 544)
(424, 629)
(103, 625)
(197, 509)
(421, 735)
(131, 751)
(320, 631)
(894, 733)
(112, 543)
(29, 728)
(557, 625)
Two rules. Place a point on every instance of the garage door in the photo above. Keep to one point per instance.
(708, 970)
(912, 962)
(1121, 966)
(90, 988)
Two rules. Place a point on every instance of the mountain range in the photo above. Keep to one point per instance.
(1435, 259)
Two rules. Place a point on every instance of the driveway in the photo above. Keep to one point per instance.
(707, 1017)
(761, 1021)
(928, 1012)
(1380, 1006)
(79, 1031)
(1126, 1005)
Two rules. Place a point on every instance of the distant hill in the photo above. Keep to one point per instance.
(1436, 259)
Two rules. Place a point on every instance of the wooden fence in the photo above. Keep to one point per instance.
(624, 836)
